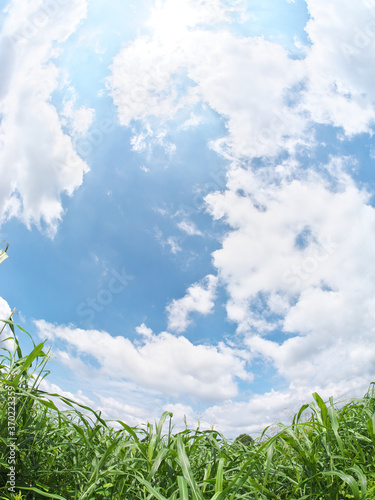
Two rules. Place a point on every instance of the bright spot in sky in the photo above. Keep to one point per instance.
(171, 20)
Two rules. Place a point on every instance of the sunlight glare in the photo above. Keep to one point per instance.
(171, 19)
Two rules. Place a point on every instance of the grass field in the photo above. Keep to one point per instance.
(326, 453)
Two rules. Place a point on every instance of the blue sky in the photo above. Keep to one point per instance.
(188, 190)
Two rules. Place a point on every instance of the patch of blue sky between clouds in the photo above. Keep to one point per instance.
(358, 151)
(279, 21)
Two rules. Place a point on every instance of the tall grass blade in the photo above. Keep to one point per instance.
(371, 428)
(35, 353)
(335, 426)
(323, 409)
(186, 470)
(151, 489)
(41, 492)
(219, 476)
(182, 486)
(348, 479)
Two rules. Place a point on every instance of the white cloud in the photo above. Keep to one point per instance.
(152, 77)
(175, 247)
(263, 410)
(171, 242)
(37, 160)
(114, 409)
(78, 120)
(147, 78)
(141, 75)
(77, 397)
(285, 237)
(246, 81)
(144, 331)
(5, 312)
(298, 259)
(118, 402)
(172, 20)
(189, 228)
(164, 363)
(199, 298)
(267, 99)
(339, 65)
(191, 122)
(148, 140)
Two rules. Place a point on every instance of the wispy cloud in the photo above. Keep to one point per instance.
(189, 228)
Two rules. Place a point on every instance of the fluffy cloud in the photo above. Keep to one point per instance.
(164, 363)
(111, 408)
(199, 298)
(289, 236)
(38, 161)
(268, 99)
(154, 78)
(146, 75)
(78, 120)
(141, 81)
(289, 266)
(339, 65)
(259, 119)
(263, 410)
(78, 397)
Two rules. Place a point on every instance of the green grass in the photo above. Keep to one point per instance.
(326, 453)
(74, 454)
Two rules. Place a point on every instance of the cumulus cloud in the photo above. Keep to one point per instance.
(77, 397)
(287, 236)
(268, 100)
(289, 267)
(146, 74)
(150, 79)
(164, 363)
(259, 119)
(38, 161)
(339, 65)
(263, 410)
(199, 298)
(141, 78)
